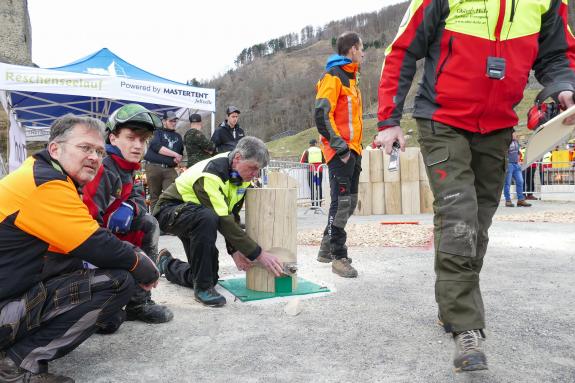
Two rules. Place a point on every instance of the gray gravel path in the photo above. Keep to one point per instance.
(379, 327)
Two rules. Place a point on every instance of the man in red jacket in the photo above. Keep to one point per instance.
(478, 55)
(119, 205)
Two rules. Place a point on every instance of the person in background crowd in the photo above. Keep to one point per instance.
(49, 303)
(118, 205)
(528, 178)
(198, 147)
(163, 155)
(314, 157)
(514, 171)
(227, 135)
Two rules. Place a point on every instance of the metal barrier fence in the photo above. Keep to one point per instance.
(549, 181)
(312, 184)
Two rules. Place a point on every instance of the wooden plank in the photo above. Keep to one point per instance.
(425, 197)
(278, 179)
(410, 203)
(364, 199)
(271, 222)
(392, 197)
(409, 164)
(387, 175)
(378, 197)
(375, 165)
(364, 175)
(422, 169)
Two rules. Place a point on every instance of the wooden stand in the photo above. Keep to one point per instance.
(378, 197)
(425, 194)
(392, 194)
(409, 169)
(271, 222)
(363, 199)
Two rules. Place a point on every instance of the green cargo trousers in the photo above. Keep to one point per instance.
(466, 174)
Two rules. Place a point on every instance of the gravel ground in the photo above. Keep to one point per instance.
(379, 327)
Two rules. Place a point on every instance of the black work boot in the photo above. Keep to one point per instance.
(469, 355)
(9, 372)
(112, 324)
(146, 310)
(209, 297)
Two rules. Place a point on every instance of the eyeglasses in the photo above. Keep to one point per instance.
(88, 149)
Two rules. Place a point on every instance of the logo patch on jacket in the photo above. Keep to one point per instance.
(241, 191)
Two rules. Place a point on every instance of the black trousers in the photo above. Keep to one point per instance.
(56, 316)
(197, 228)
(343, 184)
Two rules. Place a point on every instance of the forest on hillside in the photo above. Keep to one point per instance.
(274, 81)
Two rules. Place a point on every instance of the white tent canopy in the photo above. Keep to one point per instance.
(93, 86)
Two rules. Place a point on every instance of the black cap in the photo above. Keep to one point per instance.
(195, 118)
(232, 109)
(170, 115)
(313, 141)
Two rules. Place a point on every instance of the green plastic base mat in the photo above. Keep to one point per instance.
(237, 287)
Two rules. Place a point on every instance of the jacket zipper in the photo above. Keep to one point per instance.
(449, 51)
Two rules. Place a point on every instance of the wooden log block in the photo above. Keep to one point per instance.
(271, 222)
(422, 169)
(364, 199)
(375, 165)
(278, 179)
(392, 196)
(409, 165)
(364, 175)
(425, 197)
(387, 175)
(410, 203)
(378, 197)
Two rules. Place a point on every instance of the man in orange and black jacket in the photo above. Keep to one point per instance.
(49, 303)
(478, 55)
(338, 117)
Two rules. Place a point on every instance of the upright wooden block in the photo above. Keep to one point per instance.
(378, 197)
(375, 165)
(392, 197)
(277, 179)
(425, 197)
(364, 175)
(271, 222)
(389, 176)
(409, 164)
(410, 203)
(364, 199)
(422, 169)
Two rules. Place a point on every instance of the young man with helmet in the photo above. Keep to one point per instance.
(119, 205)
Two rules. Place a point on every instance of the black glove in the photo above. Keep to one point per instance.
(145, 271)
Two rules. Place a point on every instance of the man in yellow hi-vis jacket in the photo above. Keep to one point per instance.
(203, 200)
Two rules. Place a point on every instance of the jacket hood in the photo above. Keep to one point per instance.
(336, 60)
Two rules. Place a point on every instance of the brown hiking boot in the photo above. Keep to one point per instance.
(324, 257)
(531, 197)
(469, 355)
(343, 268)
(509, 204)
(523, 203)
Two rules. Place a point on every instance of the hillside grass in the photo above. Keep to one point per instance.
(293, 146)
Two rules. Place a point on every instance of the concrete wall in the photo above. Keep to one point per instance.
(15, 32)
